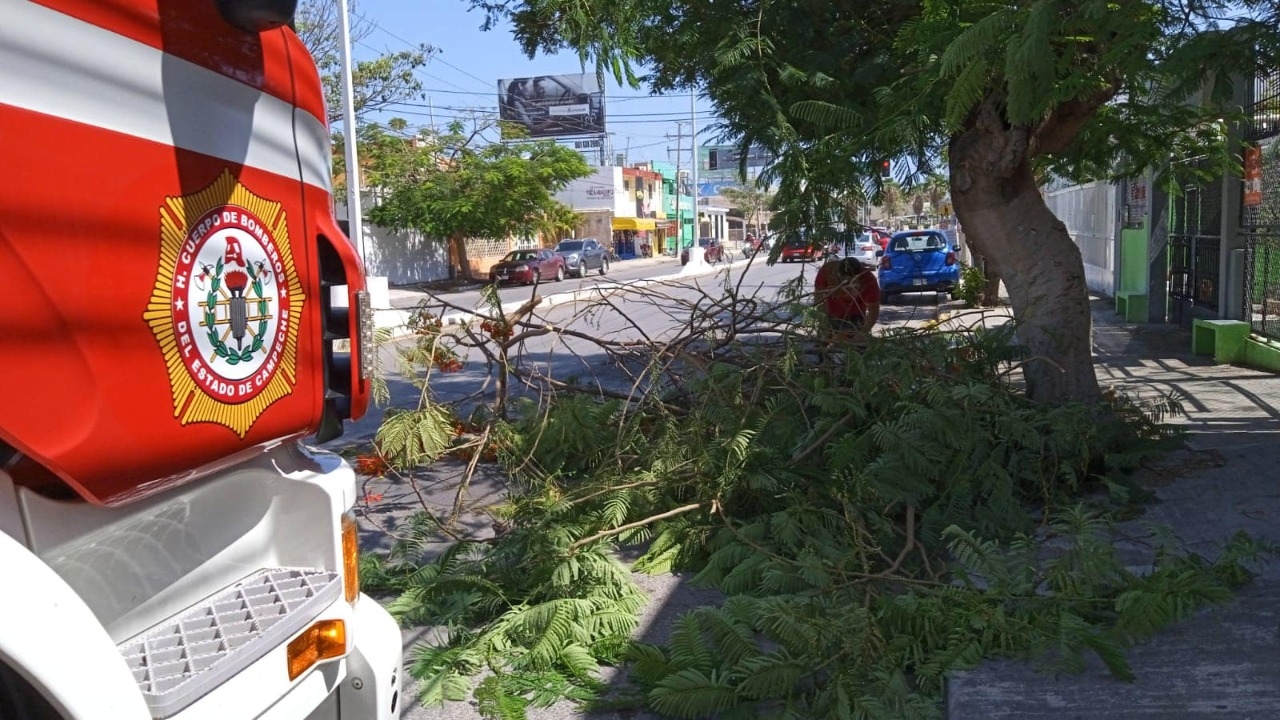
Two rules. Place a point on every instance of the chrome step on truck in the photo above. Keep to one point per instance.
(181, 659)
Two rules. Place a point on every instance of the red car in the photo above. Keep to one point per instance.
(527, 266)
(799, 249)
(881, 235)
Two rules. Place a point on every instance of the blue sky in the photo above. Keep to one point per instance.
(465, 74)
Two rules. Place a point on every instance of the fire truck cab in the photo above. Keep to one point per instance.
(180, 311)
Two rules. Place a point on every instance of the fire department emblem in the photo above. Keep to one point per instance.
(226, 304)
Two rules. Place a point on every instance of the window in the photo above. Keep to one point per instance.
(918, 243)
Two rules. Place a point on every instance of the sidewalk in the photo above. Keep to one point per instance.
(1224, 662)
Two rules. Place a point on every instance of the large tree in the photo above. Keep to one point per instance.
(1003, 91)
(455, 185)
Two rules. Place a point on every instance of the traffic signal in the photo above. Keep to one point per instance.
(885, 174)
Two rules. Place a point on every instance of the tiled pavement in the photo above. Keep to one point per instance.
(1224, 662)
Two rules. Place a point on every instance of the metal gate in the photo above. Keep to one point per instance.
(1260, 207)
(1195, 239)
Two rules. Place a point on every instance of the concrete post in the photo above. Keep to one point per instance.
(1230, 263)
(1157, 251)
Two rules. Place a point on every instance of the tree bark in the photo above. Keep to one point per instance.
(991, 288)
(1007, 221)
(458, 242)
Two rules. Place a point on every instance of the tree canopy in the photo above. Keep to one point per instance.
(448, 185)
(996, 93)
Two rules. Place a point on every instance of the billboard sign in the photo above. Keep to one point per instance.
(549, 106)
(727, 157)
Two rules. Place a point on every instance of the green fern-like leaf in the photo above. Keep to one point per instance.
(410, 438)
(692, 694)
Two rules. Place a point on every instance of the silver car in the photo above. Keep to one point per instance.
(864, 248)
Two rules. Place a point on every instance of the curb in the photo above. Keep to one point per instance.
(396, 320)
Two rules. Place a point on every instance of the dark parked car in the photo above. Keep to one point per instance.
(712, 251)
(583, 255)
(527, 266)
(918, 261)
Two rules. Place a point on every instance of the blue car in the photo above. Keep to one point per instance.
(918, 261)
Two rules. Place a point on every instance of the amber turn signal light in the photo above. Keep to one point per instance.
(322, 641)
(350, 557)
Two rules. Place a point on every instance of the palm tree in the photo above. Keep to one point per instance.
(891, 199)
(936, 188)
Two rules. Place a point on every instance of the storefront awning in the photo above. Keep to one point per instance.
(626, 223)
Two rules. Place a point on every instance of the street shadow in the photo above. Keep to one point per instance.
(910, 307)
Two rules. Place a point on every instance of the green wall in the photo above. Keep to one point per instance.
(1133, 260)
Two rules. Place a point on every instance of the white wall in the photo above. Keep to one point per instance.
(1089, 212)
(601, 190)
(402, 258)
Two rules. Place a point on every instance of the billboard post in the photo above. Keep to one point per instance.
(552, 106)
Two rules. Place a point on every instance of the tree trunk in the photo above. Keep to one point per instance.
(459, 245)
(991, 288)
(1007, 221)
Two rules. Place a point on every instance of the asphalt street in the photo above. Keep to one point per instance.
(631, 311)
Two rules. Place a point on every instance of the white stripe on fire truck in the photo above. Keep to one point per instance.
(144, 92)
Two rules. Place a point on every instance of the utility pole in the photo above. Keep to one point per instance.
(679, 159)
(693, 147)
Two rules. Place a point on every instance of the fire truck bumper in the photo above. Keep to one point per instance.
(374, 667)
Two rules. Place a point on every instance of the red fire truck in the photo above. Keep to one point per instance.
(179, 311)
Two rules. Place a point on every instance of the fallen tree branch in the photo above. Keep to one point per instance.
(637, 524)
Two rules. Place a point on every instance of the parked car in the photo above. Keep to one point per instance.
(800, 249)
(583, 255)
(527, 266)
(918, 261)
(862, 246)
(881, 235)
(712, 251)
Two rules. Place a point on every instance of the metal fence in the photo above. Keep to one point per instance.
(1193, 269)
(1262, 283)
(1260, 207)
(1195, 239)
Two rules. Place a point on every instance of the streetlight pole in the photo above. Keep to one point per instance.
(355, 225)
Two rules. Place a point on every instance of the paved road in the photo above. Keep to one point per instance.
(644, 311)
(653, 311)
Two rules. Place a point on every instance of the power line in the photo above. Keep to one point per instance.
(442, 61)
(460, 90)
(675, 115)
